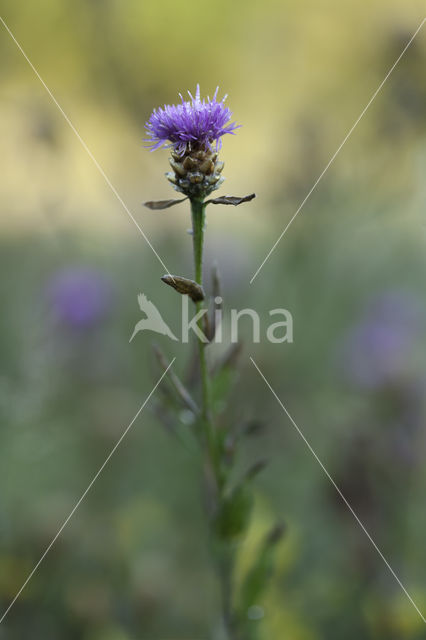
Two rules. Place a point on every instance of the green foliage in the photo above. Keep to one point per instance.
(233, 517)
(257, 579)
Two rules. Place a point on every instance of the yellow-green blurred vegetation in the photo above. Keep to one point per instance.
(133, 562)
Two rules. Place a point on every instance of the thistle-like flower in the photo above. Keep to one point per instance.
(192, 130)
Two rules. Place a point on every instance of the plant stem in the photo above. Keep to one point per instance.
(223, 558)
(198, 218)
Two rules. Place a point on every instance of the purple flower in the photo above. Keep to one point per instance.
(195, 122)
(79, 297)
(379, 349)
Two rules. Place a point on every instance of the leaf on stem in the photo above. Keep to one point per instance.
(252, 428)
(233, 438)
(235, 508)
(217, 302)
(224, 375)
(216, 282)
(233, 516)
(163, 416)
(258, 576)
(180, 389)
(157, 205)
(185, 287)
(234, 200)
(207, 327)
(255, 469)
(275, 535)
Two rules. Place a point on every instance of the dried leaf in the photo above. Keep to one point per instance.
(185, 287)
(234, 200)
(156, 205)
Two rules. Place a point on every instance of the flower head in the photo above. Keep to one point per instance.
(192, 123)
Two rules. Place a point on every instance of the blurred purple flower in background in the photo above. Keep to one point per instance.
(379, 349)
(80, 297)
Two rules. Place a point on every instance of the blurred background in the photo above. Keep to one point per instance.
(133, 562)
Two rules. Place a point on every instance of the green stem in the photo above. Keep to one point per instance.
(198, 219)
(224, 560)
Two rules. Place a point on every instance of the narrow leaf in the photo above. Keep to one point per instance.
(156, 205)
(275, 534)
(255, 469)
(217, 303)
(234, 200)
(233, 516)
(261, 571)
(216, 283)
(252, 428)
(180, 389)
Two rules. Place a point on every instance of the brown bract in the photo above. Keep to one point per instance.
(185, 287)
(196, 173)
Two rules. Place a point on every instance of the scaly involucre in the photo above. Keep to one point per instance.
(198, 123)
